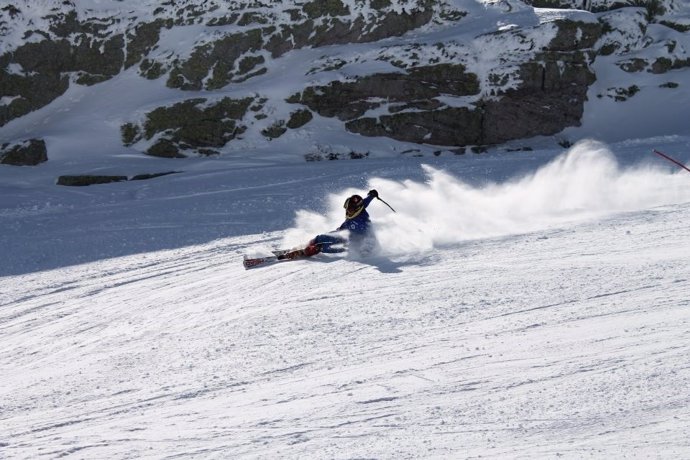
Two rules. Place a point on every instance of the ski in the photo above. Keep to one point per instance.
(252, 262)
(280, 255)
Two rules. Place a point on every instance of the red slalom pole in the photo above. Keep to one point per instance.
(671, 160)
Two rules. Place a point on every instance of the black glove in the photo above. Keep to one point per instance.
(373, 193)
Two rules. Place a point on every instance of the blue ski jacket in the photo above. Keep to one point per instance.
(358, 225)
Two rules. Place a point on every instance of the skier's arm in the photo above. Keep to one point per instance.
(370, 196)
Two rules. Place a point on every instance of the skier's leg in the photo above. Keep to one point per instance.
(321, 243)
(325, 243)
(312, 248)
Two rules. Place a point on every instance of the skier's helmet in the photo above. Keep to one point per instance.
(353, 206)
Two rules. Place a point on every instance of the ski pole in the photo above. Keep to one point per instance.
(671, 160)
(386, 204)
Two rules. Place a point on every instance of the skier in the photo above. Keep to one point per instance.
(357, 224)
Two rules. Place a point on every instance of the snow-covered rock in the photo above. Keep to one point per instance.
(444, 73)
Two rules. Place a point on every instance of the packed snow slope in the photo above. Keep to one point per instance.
(525, 304)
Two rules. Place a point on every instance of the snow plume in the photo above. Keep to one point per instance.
(585, 182)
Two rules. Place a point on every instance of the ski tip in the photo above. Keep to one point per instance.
(250, 263)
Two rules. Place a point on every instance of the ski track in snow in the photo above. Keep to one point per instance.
(566, 342)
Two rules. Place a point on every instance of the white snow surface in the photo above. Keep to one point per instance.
(523, 304)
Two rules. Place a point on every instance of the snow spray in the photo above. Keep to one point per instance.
(585, 182)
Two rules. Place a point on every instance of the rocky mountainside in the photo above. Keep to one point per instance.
(451, 73)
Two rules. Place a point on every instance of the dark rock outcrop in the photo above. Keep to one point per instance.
(83, 180)
(553, 90)
(233, 58)
(45, 68)
(450, 126)
(550, 97)
(299, 118)
(218, 59)
(351, 100)
(28, 153)
(195, 124)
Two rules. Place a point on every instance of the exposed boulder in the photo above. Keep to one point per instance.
(664, 64)
(351, 100)
(217, 59)
(165, 148)
(553, 91)
(28, 153)
(236, 57)
(42, 70)
(83, 180)
(152, 175)
(195, 125)
(275, 130)
(142, 39)
(450, 126)
(37, 80)
(299, 118)
(653, 7)
(550, 97)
